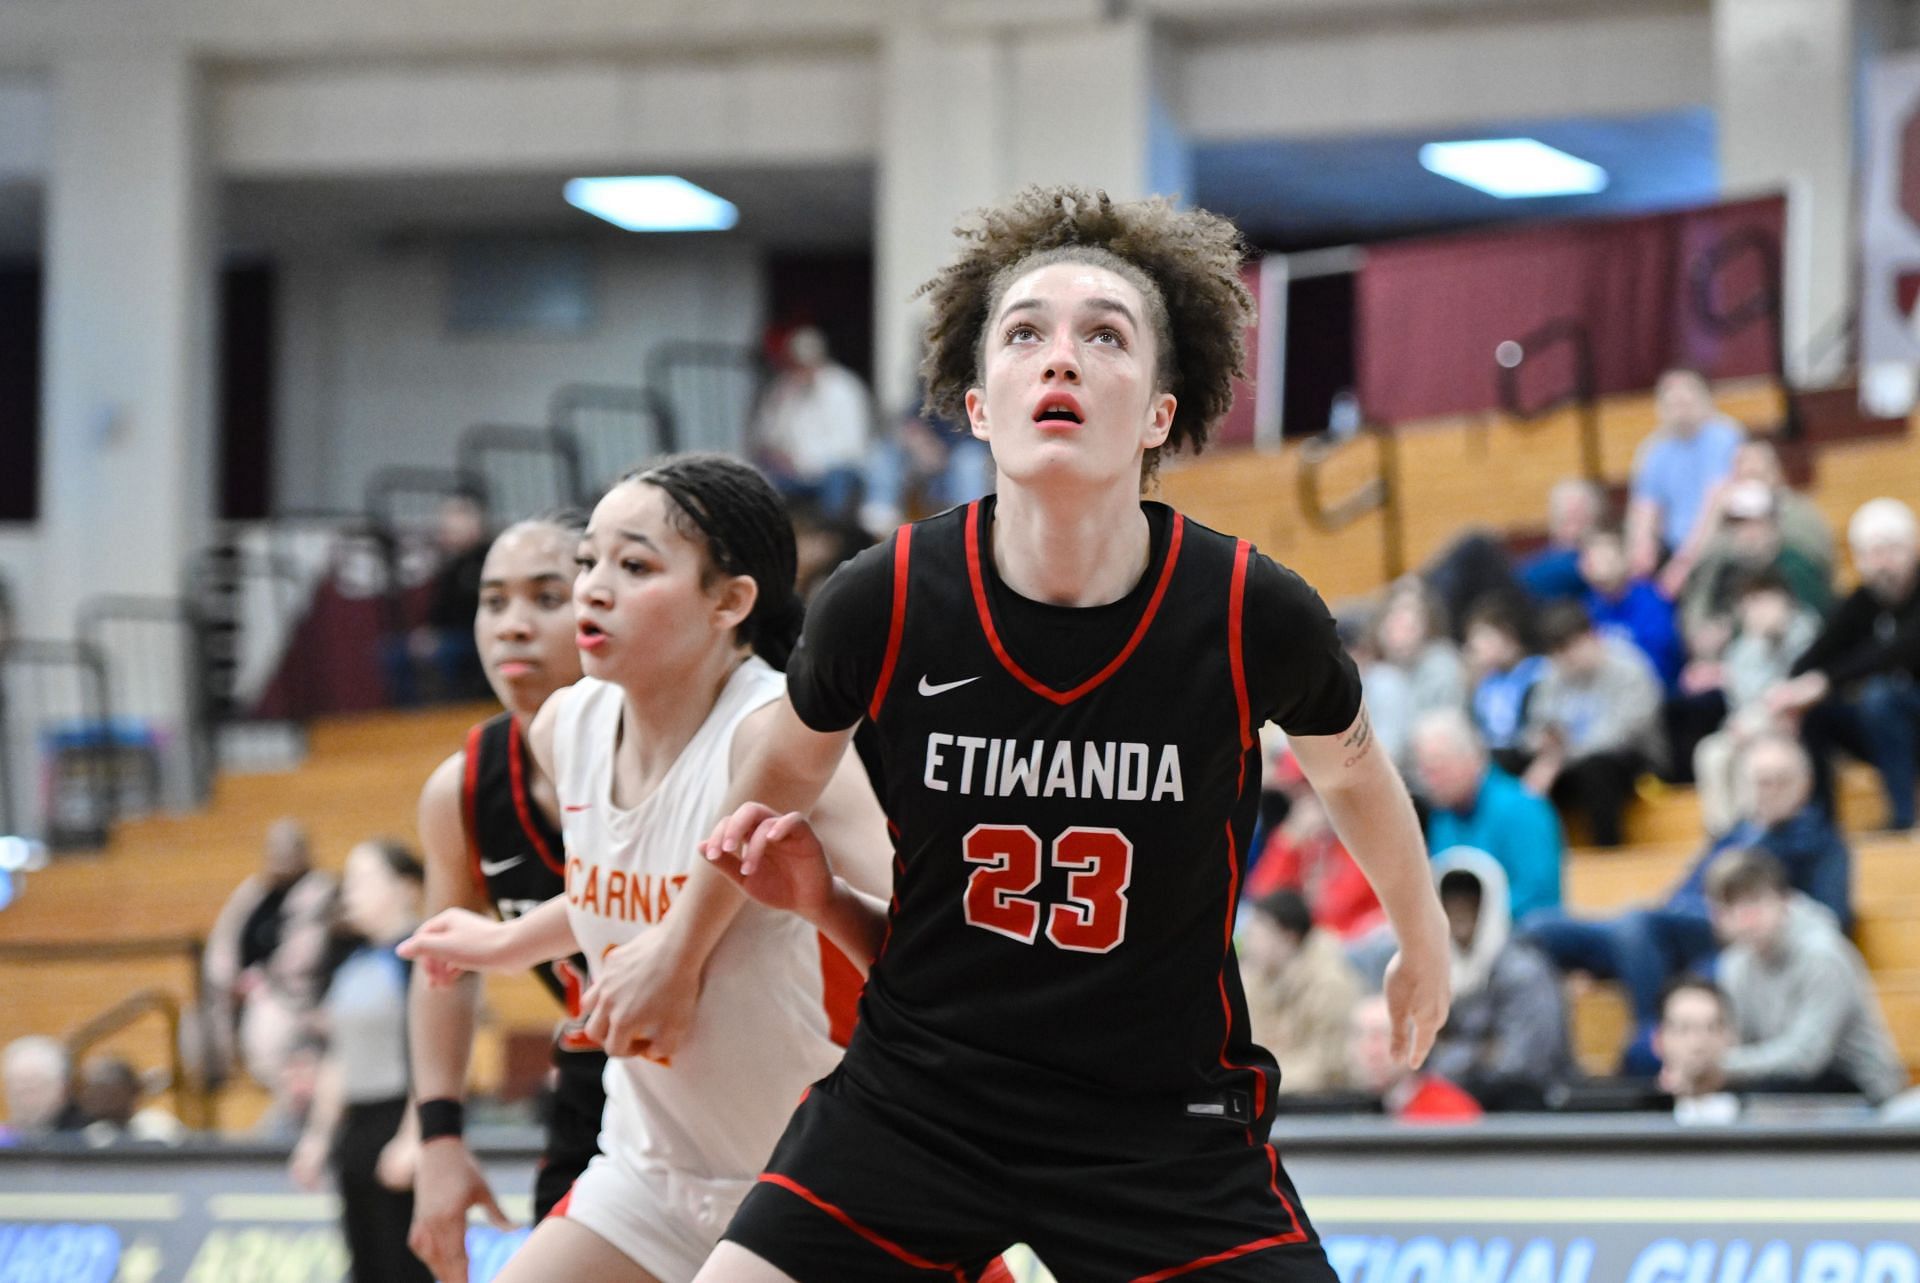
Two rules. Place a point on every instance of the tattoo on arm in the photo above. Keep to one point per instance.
(1359, 741)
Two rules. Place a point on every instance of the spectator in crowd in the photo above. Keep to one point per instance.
(1303, 854)
(1300, 992)
(927, 466)
(1856, 682)
(1692, 1040)
(1772, 631)
(1752, 544)
(263, 958)
(1412, 1096)
(109, 1099)
(1802, 525)
(1503, 672)
(1476, 804)
(1646, 947)
(1803, 1005)
(359, 1123)
(1505, 1039)
(1675, 468)
(1627, 607)
(441, 648)
(814, 427)
(1575, 509)
(1593, 724)
(823, 544)
(34, 1072)
(1416, 667)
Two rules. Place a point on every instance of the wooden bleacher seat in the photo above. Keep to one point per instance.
(169, 875)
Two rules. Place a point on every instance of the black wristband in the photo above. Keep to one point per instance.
(444, 1116)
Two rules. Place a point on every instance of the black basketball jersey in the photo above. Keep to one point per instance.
(1071, 793)
(518, 857)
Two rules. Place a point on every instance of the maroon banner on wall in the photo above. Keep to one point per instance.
(1431, 312)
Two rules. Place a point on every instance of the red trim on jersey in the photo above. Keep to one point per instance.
(840, 985)
(902, 548)
(521, 801)
(1033, 684)
(880, 1241)
(1298, 1234)
(469, 785)
(1236, 664)
(1236, 657)
(1232, 1253)
(559, 1209)
(1295, 1235)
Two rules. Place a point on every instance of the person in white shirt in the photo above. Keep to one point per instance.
(814, 426)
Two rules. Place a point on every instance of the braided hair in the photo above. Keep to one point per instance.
(728, 507)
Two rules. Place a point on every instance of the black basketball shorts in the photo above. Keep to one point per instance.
(859, 1192)
(573, 1126)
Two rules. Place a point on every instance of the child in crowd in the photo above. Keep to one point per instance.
(1628, 607)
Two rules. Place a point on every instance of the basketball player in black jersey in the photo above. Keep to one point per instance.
(491, 848)
(1067, 684)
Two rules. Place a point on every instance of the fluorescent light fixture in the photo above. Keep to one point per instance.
(1514, 167)
(654, 203)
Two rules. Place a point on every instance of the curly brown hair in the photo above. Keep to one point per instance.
(1185, 263)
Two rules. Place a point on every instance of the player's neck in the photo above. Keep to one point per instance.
(1087, 553)
(657, 723)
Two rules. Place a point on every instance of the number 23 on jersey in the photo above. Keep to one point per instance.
(1099, 866)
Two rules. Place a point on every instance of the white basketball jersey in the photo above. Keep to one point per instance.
(763, 1030)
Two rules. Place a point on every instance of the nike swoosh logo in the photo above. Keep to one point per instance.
(927, 688)
(494, 868)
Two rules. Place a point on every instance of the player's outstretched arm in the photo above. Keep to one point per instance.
(782, 864)
(1370, 810)
(457, 940)
(440, 1027)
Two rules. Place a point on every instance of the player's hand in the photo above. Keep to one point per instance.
(642, 1001)
(1419, 989)
(398, 1159)
(455, 941)
(446, 1183)
(776, 859)
(307, 1165)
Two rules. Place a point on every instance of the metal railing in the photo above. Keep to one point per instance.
(713, 389)
(154, 650)
(1706, 275)
(193, 1092)
(1379, 493)
(53, 703)
(526, 471)
(617, 429)
(1514, 355)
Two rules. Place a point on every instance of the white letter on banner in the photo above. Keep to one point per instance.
(1345, 1252)
(1535, 1264)
(1890, 1263)
(1577, 1265)
(1422, 1260)
(1661, 1261)
(1774, 1266)
(1830, 1261)
(1468, 1262)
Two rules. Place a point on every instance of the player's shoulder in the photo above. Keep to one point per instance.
(1268, 580)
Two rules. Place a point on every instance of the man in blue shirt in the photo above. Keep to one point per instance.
(1476, 804)
(1690, 453)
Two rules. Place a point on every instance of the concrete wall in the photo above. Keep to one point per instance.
(370, 376)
